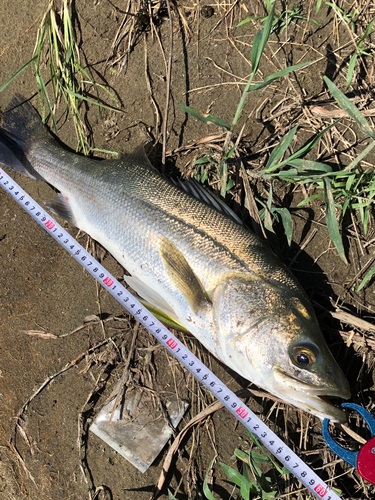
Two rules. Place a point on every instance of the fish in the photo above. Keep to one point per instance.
(189, 260)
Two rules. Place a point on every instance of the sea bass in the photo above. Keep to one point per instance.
(204, 269)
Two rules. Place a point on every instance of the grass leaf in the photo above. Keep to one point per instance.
(259, 457)
(351, 66)
(242, 455)
(232, 474)
(367, 278)
(87, 99)
(279, 74)
(4, 85)
(304, 150)
(260, 41)
(247, 20)
(245, 484)
(279, 150)
(207, 119)
(43, 89)
(348, 106)
(254, 53)
(252, 436)
(332, 225)
(310, 198)
(367, 32)
(311, 166)
(286, 219)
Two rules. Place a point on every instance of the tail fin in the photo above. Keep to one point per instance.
(22, 127)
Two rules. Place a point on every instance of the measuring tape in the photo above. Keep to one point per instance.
(267, 437)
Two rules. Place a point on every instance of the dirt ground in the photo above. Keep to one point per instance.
(43, 290)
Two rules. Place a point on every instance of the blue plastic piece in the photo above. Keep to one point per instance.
(347, 455)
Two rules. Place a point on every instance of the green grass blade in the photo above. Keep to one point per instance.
(245, 484)
(268, 495)
(254, 53)
(232, 474)
(87, 99)
(305, 149)
(279, 74)
(351, 66)
(318, 5)
(248, 19)
(170, 495)
(352, 110)
(207, 119)
(309, 165)
(268, 219)
(309, 146)
(259, 457)
(97, 85)
(66, 20)
(242, 455)
(253, 438)
(332, 225)
(230, 152)
(367, 278)
(286, 220)
(310, 198)
(290, 175)
(4, 85)
(368, 30)
(43, 88)
(260, 41)
(279, 150)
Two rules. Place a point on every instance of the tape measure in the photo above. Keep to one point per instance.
(251, 422)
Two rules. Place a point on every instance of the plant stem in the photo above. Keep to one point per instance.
(239, 109)
(242, 102)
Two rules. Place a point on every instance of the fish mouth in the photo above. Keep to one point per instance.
(316, 400)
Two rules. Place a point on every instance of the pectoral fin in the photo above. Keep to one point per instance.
(183, 277)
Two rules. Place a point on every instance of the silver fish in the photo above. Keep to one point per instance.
(202, 268)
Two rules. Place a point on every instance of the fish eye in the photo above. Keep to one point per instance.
(303, 357)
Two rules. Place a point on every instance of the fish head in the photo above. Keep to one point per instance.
(269, 334)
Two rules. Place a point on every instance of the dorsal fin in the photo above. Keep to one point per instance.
(138, 156)
(194, 188)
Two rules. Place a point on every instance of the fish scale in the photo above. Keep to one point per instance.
(189, 261)
(233, 248)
